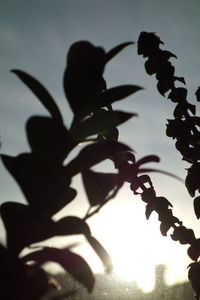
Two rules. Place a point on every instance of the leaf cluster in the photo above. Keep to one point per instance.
(45, 174)
(184, 128)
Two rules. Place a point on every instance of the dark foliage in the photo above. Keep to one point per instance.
(184, 128)
(45, 180)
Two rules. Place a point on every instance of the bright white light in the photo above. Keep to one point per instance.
(136, 245)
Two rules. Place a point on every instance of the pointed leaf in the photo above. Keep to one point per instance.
(99, 185)
(197, 206)
(100, 123)
(107, 97)
(149, 209)
(145, 170)
(83, 77)
(102, 253)
(44, 184)
(114, 51)
(93, 154)
(197, 94)
(48, 138)
(41, 93)
(115, 94)
(71, 262)
(71, 225)
(148, 159)
(24, 226)
(164, 227)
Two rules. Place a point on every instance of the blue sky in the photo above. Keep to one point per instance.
(35, 36)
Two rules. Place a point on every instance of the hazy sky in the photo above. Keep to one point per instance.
(35, 36)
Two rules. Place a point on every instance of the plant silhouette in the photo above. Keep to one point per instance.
(45, 179)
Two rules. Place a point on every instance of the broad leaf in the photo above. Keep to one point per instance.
(24, 226)
(114, 94)
(194, 275)
(41, 93)
(101, 252)
(183, 235)
(100, 123)
(178, 94)
(71, 225)
(44, 184)
(194, 250)
(99, 185)
(107, 97)
(197, 94)
(71, 262)
(48, 138)
(114, 51)
(92, 155)
(163, 86)
(192, 179)
(83, 77)
(197, 207)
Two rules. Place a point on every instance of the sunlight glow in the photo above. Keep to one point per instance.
(136, 246)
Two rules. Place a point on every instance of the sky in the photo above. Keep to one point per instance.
(35, 36)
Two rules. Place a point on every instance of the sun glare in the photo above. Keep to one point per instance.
(136, 245)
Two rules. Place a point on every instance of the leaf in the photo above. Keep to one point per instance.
(178, 94)
(181, 79)
(99, 185)
(149, 209)
(41, 93)
(194, 275)
(100, 123)
(145, 170)
(183, 235)
(148, 195)
(192, 179)
(102, 253)
(197, 94)
(24, 226)
(163, 87)
(151, 66)
(148, 159)
(112, 134)
(71, 262)
(48, 138)
(182, 108)
(164, 227)
(93, 154)
(148, 43)
(83, 77)
(44, 184)
(114, 94)
(71, 225)
(197, 206)
(194, 250)
(114, 51)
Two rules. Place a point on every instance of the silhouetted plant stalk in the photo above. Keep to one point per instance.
(184, 128)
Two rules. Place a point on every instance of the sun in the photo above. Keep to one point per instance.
(135, 245)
